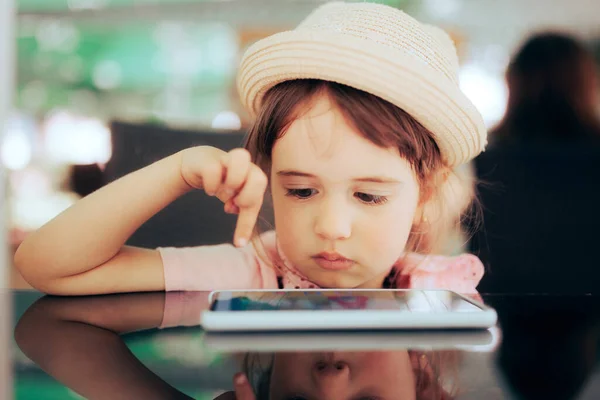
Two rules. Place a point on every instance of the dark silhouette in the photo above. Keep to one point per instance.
(540, 195)
(553, 91)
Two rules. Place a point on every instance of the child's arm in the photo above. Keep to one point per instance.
(82, 250)
(82, 349)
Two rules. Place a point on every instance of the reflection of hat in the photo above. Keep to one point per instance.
(379, 50)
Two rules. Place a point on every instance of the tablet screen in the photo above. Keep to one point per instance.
(415, 301)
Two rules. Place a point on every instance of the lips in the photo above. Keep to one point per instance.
(333, 261)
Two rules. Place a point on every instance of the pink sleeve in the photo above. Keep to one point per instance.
(184, 308)
(460, 274)
(220, 267)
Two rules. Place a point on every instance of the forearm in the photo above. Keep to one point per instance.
(119, 313)
(90, 360)
(93, 230)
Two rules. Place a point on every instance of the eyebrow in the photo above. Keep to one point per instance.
(371, 179)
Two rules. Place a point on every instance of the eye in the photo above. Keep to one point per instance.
(301, 193)
(370, 199)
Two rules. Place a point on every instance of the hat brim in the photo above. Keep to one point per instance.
(393, 75)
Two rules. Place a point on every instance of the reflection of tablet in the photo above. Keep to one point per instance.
(362, 309)
(233, 342)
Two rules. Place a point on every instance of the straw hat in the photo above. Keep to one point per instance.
(382, 51)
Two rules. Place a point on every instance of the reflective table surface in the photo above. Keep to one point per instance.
(128, 347)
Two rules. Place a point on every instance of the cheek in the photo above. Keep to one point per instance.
(291, 220)
(289, 370)
(393, 372)
(387, 230)
(398, 218)
(281, 209)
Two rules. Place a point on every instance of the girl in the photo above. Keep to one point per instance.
(83, 349)
(359, 125)
(401, 374)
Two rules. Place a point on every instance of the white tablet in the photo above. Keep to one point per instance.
(473, 340)
(352, 309)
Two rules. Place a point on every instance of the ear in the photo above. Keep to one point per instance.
(429, 190)
(433, 183)
(420, 215)
(425, 195)
(422, 212)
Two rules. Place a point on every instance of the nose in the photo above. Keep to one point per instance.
(331, 377)
(333, 221)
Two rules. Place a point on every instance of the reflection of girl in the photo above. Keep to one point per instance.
(81, 347)
(402, 375)
(77, 342)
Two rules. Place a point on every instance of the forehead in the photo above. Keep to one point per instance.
(321, 140)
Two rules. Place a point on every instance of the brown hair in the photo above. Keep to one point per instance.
(444, 195)
(552, 84)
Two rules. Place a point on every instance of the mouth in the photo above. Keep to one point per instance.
(333, 261)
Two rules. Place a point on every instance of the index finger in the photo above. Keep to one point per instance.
(245, 224)
(249, 201)
(243, 390)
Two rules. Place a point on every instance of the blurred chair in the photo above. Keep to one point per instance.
(541, 218)
(193, 219)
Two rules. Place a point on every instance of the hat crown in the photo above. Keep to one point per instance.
(390, 27)
(379, 50)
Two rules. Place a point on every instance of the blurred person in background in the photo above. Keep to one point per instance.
(553, 92)
(538, 179)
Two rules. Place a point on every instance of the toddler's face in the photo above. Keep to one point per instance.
(344, 207)
(364, 375)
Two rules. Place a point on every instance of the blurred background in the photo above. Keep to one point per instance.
(104, 87)
(170, 65)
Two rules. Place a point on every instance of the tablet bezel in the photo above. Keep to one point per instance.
(319, 320)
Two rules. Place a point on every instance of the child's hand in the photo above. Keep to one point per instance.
(232, 178)
(243, 390)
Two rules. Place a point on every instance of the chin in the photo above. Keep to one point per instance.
(338, 282)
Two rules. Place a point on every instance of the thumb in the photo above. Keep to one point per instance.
(243, 389)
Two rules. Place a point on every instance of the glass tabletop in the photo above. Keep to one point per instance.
(150, 345)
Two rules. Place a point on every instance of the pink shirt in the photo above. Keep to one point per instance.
(225, 267)
(207, 268)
